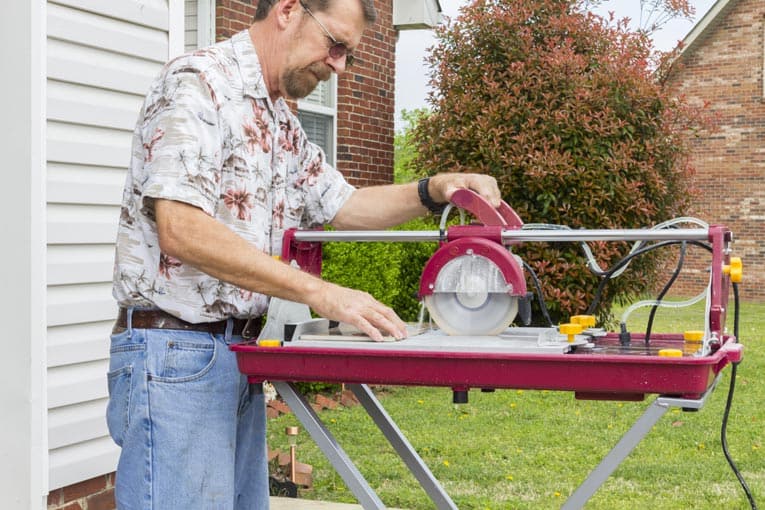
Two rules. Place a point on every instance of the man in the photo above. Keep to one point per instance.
(220, 169)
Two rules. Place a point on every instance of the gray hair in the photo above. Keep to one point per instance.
(264, 7)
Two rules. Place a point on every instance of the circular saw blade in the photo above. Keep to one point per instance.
(470, 298)
(492, 317)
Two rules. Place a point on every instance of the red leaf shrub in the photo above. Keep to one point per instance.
(562, 107)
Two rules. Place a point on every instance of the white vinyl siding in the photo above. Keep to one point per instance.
(101, 57)
(23, 418)
(318, 116)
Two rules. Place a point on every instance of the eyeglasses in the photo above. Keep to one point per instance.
(337, 50)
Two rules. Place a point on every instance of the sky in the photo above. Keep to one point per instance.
(412, 45)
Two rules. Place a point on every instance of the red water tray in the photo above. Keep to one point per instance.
(608, 372)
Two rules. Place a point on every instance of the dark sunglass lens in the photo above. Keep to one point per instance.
(349, 60)
(337, 50)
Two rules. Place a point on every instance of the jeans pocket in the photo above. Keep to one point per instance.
(185, 357)
(118, 409)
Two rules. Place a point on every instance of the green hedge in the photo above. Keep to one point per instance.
(389, 271)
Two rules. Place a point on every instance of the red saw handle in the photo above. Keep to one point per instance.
(475, 204)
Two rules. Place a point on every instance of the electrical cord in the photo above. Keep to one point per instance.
(607, 275)
(624, 261)
(592, 262)
(663, 293)
(728, 404)
(734, 368)
(540, 297)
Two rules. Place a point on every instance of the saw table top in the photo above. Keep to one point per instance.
(604, 370)
(515, 340)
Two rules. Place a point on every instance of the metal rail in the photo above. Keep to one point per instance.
(674, 234)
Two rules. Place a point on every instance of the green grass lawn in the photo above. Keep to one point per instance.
(531, 449)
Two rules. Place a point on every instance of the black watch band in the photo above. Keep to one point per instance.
(426, 199)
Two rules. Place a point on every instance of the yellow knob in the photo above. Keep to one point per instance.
(735, 270)
(671, 353)
(570, 330)
(587, 321)
(269, 342)
(693, 336)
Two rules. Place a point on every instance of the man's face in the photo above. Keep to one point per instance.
(342, 24)
(298, 83)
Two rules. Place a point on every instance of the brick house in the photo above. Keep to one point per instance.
(722, 63)
(82, 68)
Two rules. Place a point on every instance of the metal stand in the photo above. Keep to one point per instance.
(369, 499)
(404, 449)
(628, 442)
(327, 443)
(343, 464)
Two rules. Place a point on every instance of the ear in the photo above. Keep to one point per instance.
(287, 11)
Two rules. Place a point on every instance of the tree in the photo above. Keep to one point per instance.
(562, 107)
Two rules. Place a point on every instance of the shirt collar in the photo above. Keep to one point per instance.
(249, 65)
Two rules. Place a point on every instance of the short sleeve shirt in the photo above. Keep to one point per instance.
(209, 135)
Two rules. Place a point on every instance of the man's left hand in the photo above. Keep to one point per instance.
(442, 186)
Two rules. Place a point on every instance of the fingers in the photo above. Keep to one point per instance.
(375, 318)
(484, 185)
(361, 310)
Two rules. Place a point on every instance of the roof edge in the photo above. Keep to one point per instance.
(699, 28)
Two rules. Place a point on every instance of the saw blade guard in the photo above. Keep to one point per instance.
(471, 286)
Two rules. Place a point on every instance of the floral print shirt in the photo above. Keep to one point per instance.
(209, 135)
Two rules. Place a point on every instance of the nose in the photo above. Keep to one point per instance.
(337, 64)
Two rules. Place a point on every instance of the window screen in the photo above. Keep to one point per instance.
(317, 113)
(199, 26)
(320, 130)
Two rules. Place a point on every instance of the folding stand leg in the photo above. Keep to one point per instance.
(627, 443)
(404, 449)
(329, 446)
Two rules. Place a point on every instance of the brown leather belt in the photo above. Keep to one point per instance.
(158, 319)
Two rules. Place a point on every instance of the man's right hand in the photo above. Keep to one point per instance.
(359, 309)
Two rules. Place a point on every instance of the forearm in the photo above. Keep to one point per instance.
(379, 207)
(196, 239)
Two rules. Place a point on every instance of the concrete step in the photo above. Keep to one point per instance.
(306, 504)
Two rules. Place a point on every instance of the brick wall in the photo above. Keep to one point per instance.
(725, 67)
(365, 105)
(94, 494)
(232, 16)
(365, 94)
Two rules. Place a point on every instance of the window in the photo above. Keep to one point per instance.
(199, 24)
(318, 113)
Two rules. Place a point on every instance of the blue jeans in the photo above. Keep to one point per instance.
(192, 434)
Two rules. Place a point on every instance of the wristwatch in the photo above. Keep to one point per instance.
(426, 199)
